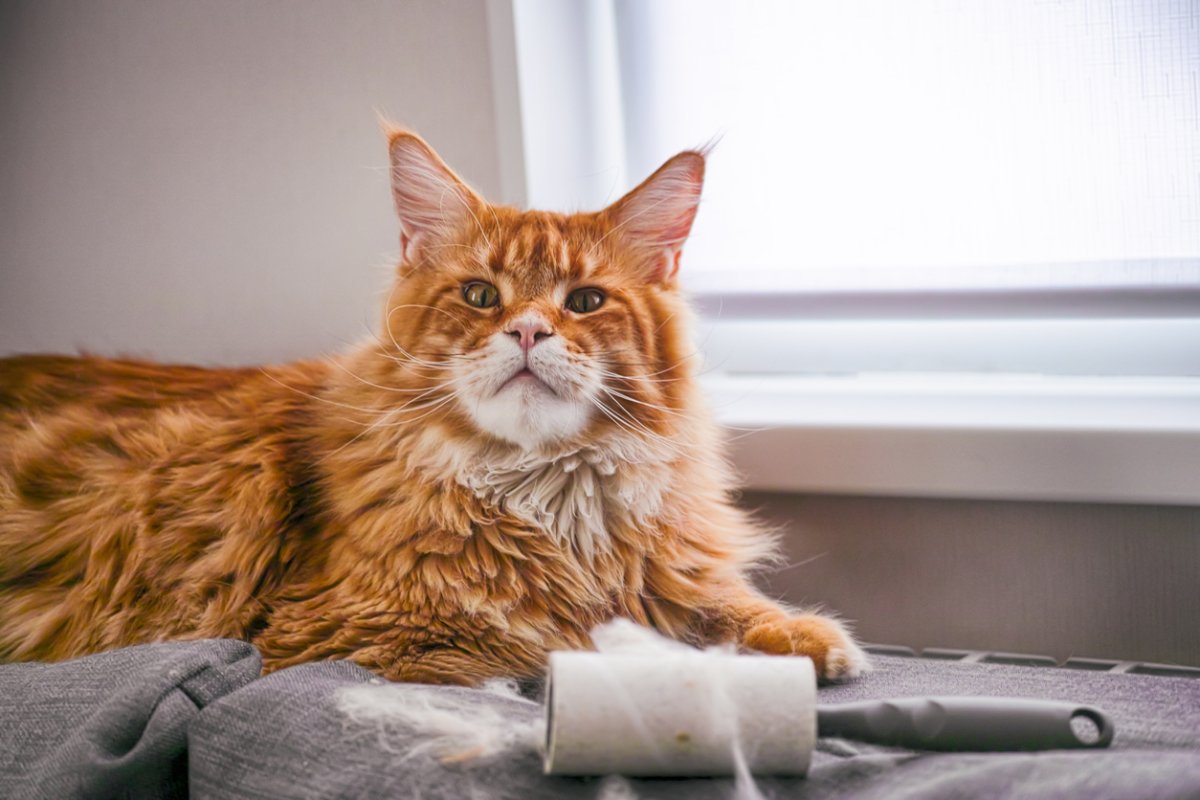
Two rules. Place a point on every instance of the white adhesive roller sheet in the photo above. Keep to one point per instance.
(679, 713)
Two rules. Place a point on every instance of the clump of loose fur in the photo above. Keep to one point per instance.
(417, 721)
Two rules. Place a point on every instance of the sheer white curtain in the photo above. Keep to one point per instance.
(883, 144)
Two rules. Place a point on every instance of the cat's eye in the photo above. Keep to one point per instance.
(480, 294)
(581, 301)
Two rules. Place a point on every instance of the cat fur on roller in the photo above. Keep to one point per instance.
(520, 454)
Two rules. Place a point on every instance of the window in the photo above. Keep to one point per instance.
(878, 144)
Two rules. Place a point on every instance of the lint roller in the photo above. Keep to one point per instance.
(696, 713)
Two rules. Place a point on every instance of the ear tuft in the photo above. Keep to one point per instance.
(658, 214)
(429, 197)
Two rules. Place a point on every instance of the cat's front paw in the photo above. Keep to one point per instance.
(833, 651)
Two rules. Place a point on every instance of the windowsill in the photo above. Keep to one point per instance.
(1119, 440)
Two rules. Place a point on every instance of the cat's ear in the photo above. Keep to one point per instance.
(429, 197)
(657, 215)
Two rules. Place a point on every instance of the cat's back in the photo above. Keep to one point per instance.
(62, 403)
(68, 424)
(31, 385)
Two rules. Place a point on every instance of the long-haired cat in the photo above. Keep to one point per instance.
(521, 454)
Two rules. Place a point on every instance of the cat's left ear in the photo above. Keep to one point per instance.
(430, 198)
(657, 216)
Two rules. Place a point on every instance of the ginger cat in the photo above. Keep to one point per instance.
(522, 454)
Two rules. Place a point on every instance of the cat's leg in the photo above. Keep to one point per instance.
(726, 608)
(769, 628)
(696, 587)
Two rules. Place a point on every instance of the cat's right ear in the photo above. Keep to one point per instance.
(430, 198)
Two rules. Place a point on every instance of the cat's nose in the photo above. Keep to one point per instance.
(528, 331)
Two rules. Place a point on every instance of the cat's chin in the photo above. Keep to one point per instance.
(529, 414)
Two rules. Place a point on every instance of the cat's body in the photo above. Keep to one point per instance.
(440, 504)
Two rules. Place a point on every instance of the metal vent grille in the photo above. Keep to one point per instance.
(1031, 660)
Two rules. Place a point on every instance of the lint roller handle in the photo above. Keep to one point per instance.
(968, 723)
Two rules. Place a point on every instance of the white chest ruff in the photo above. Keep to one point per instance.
(578, 498)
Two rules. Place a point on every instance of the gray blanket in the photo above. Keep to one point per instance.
(114, 725)
(285, 736)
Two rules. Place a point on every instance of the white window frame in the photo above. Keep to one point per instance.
(1051, 393)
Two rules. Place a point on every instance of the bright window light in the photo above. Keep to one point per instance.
(926, 142)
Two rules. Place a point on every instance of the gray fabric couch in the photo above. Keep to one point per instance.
(114, 725)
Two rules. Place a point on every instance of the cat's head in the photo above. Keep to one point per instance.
(542, 329)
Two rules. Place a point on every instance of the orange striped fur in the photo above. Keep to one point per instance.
(379, 505)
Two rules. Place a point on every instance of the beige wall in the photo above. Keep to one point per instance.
(203, 180)
(1058, 579)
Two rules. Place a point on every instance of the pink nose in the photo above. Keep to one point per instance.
(528, 331)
